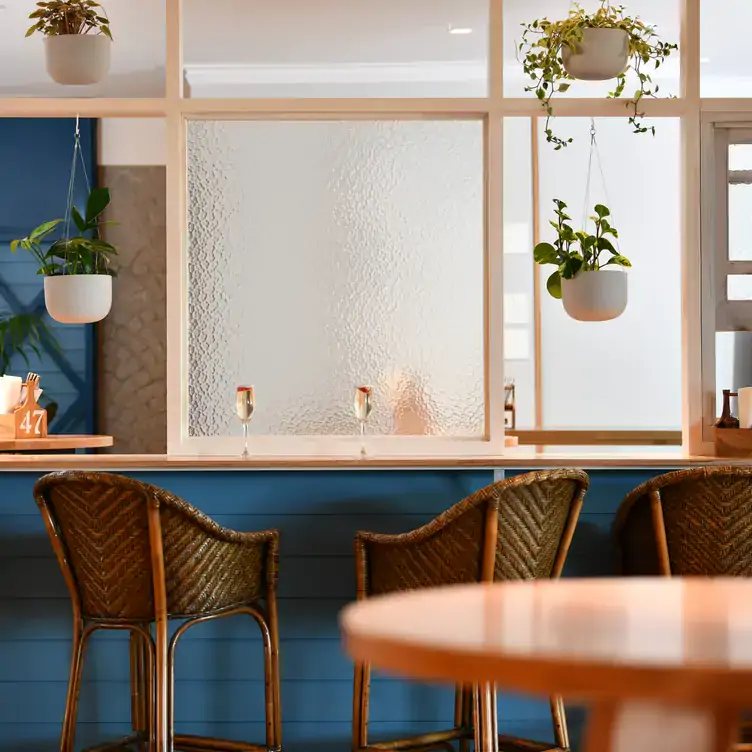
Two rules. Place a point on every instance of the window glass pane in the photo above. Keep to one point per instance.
(519, 360)
(624, 373)
(664, 14)
(740, 222)
(740, 156)
(739, 287)
(733, 358)
(724, 61)
(137, 54)
(336, 48)
(324, 255)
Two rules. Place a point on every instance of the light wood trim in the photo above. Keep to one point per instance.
(692, 295)
(54, 442)
(496, 51)
(522, 458)
(369, 108)
(571, 107)
(494, 280)
(537, 315)
(87, 108)
(554, 437)
(174, 76)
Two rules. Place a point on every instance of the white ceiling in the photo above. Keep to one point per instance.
(284, 37)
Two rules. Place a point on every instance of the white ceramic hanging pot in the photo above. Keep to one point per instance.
(78, 298)
(602, 54)
(78, 59)
(595, 296)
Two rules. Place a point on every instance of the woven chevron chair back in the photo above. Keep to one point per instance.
(705, 515)
(536, 515)
(101, 521)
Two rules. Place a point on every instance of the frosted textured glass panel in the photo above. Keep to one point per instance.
(624, 373)
(327, 255)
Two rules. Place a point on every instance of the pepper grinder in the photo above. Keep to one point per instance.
(727, 420)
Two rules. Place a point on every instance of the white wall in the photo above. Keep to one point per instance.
(131, 142)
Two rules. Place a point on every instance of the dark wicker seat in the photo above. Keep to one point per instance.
(689, 522)
(515, 529)
(134, 555)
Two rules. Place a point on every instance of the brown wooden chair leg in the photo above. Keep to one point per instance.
(162, 732)
(360, 705)
(559, 717)
(142, 686)
(463, 713)
(276, 679)
(68, 736)
(486, 721)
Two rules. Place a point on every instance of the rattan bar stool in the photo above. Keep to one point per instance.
(519, 528)
(689, 522)
(133, 556)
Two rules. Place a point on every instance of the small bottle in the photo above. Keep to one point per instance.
(727, 420)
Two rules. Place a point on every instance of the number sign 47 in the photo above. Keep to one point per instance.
(31, 422)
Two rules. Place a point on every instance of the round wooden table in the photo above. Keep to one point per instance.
(665, 664)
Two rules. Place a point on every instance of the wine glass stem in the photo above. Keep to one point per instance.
(362, 437)
(246, 455)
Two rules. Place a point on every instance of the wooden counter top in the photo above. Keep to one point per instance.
(518, 458)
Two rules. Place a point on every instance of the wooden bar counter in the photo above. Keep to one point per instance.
(317, 504)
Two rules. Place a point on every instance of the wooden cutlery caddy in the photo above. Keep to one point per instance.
(28, 420)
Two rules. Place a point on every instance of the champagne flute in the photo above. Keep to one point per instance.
(363, 404)
(245, 401)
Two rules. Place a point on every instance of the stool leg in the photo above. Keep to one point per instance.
(68, 736)
(276, 680)
(361, 687)
(559, 717)
(161, 729)
(486, 722)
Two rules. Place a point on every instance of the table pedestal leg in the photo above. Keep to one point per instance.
(486, 722)
(652, 727)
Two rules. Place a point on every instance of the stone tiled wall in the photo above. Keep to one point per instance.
(132, 383)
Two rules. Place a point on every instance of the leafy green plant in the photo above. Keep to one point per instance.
(576, 251)
(85, 253)
(57, 17)
(541, 50)
(20, 335)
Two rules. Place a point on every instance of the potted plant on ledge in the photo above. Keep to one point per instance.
(592, 47)
(77, 271)
(589, 289)
(77, 40)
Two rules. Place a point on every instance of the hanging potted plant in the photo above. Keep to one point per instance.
(77, 271)
(592, 47)
(77, 40)
(589, 289)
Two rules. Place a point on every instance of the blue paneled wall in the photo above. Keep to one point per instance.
(220, 684)
(35, 159)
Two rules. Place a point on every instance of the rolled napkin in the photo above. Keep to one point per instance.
(10, 393)
(745, 407)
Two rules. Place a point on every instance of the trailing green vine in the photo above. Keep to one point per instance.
(541, 51)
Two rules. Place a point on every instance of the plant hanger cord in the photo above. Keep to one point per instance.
(77, 156)
(594, 150)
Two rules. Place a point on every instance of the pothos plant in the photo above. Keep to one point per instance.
(85, 253)
(541, 52)
(576, 251)
(57, 17)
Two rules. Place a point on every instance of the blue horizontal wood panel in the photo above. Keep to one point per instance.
(36, 156)
(219, 686)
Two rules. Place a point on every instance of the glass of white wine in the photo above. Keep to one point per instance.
(363, 404)
(245, 402)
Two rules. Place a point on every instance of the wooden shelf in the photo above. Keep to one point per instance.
(54, 443)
